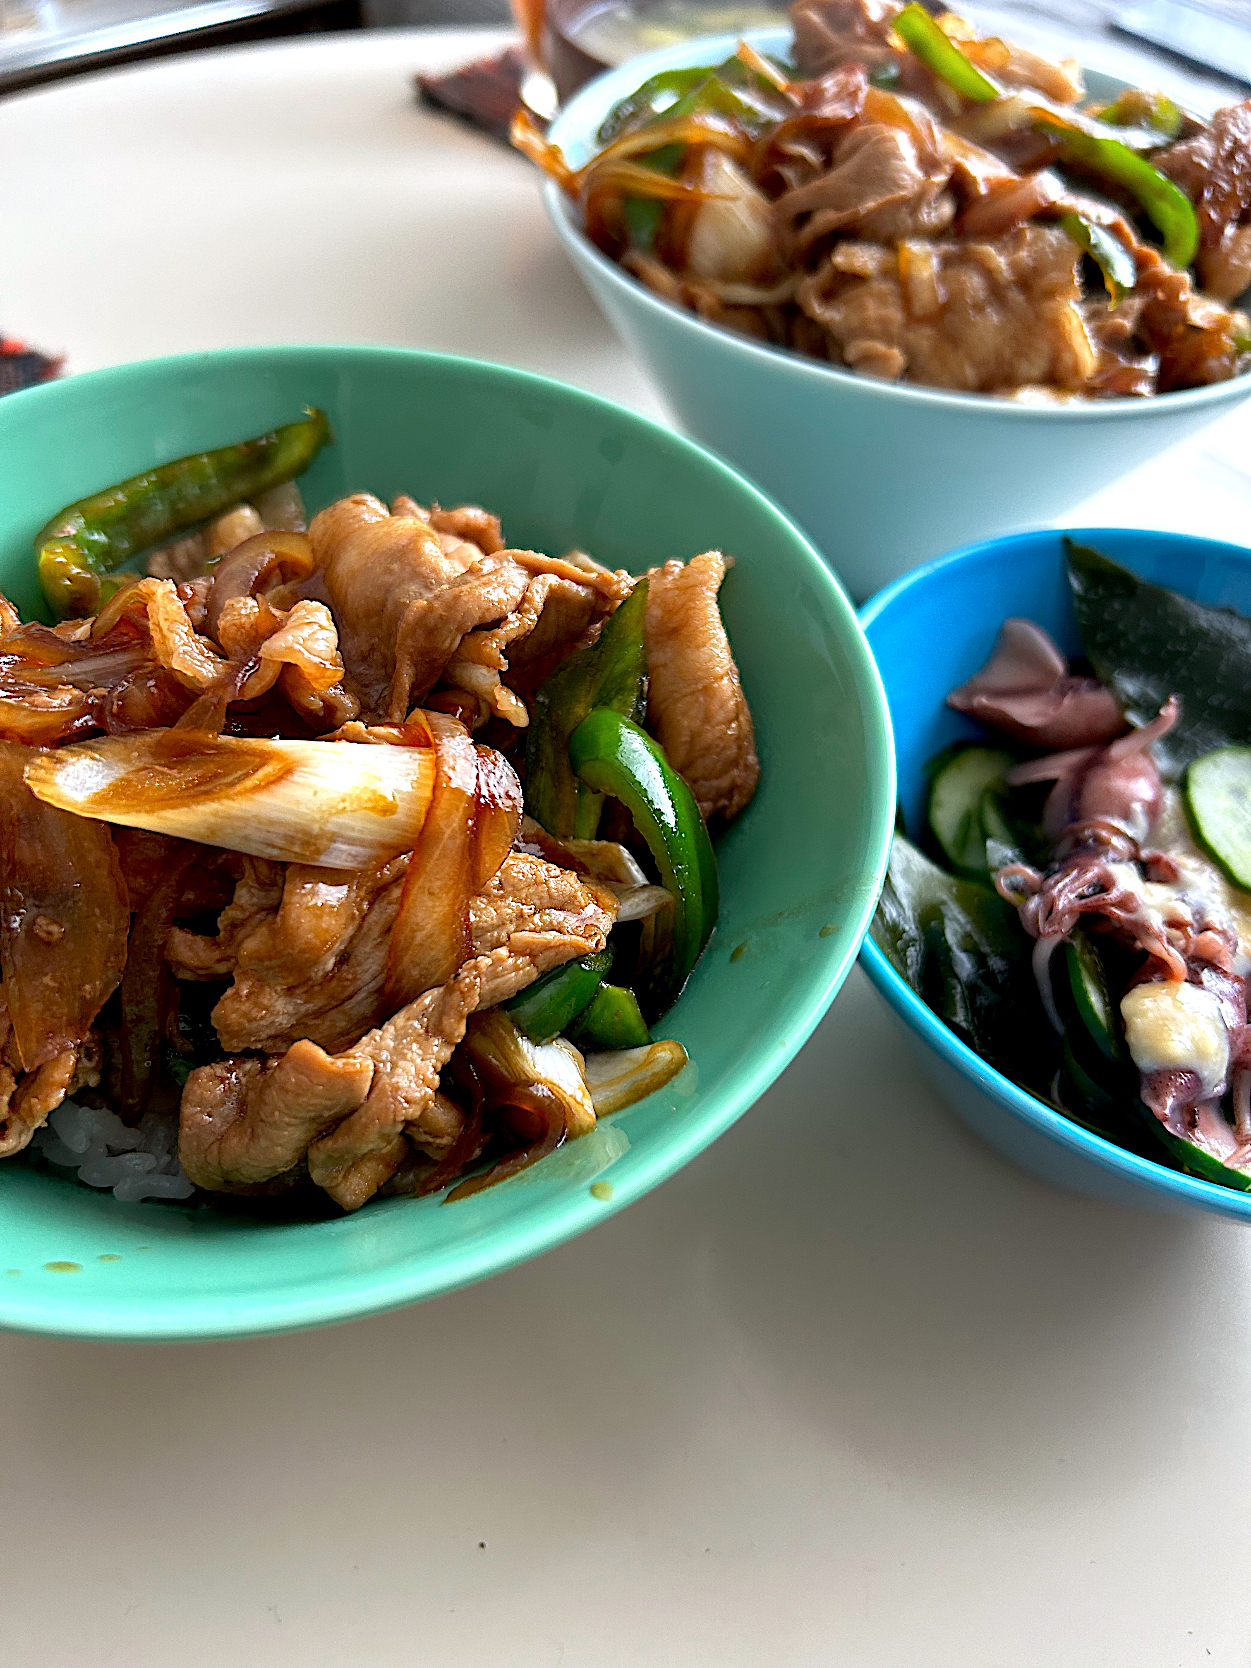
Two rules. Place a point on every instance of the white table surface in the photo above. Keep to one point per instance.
(847, 1390)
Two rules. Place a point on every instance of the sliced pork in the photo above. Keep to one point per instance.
(695, 700)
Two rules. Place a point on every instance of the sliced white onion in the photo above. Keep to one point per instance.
(636, 903)
(506, 1057)
(611, 864)
(329, 803)
(618, 1079)
(734, 235)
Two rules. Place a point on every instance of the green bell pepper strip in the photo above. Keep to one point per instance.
(643, 103)
(1155, 111)
(1165, 204)
(727, 88)
(612, 672)
(612, 1020)
(1119, 269)
(613, 755)
(720, 87)
(926, 41)
(88, 539)
(551, 1004)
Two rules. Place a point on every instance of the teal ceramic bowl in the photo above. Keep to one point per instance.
(800, 869)
(882, 476)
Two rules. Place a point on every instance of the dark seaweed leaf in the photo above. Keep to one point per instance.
(963, 951)
(1147, 643)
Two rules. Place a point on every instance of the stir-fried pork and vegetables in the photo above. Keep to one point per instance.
(915, 203)
(340, 857)
(1081, 911)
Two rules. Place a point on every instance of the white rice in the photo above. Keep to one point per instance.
(139, 1163)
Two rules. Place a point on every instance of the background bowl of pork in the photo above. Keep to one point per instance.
(930, 631)
(881, 475)
(799, 869)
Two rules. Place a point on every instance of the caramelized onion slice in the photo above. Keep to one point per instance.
(263, 559)
(537, 1088)
(328, 803)
(63, 916)
(498, 816)
(617, 1080)
(430, 938)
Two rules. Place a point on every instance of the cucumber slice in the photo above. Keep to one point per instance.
(1084, 1100)
(1096, 1108)
(1196, 1162)
(956, 794)
(1088, 987)
(1217, 788)
(1088, 1093)
(1002, 845)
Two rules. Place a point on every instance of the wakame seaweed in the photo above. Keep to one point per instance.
(1146, 643)
(964, 952)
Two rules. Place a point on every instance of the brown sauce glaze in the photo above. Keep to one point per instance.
(183, 767)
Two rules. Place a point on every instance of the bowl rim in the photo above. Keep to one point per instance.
(576, 123)
(920, 1019)
(416, 1276)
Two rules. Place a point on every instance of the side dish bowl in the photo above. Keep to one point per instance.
(931, 630)
(800, 870)
(881, 475)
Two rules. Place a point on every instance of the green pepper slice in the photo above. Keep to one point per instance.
(645, 102)
(612, 1020)
(1165, 204)
(612, 672)
(1119, 269)
(1154, 111)
(926, 41)
(551, 1004)
(730, 89)
(612, 755)
(86, 540)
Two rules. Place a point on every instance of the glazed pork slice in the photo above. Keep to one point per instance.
(353, 1116)
(883, 184)
(356, 1114)
(1213, 168)
(833, 32)
(245, 1121)
(27, 1097)
(695, 702)
(534, 916)
(985, 317)
(407, 1054)
(403, 601)
(306, 949)
(415, 604)
(308, 953)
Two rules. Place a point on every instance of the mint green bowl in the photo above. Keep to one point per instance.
(800, 869)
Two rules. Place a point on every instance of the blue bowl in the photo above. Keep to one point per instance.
(931, 630)
(881, 475)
